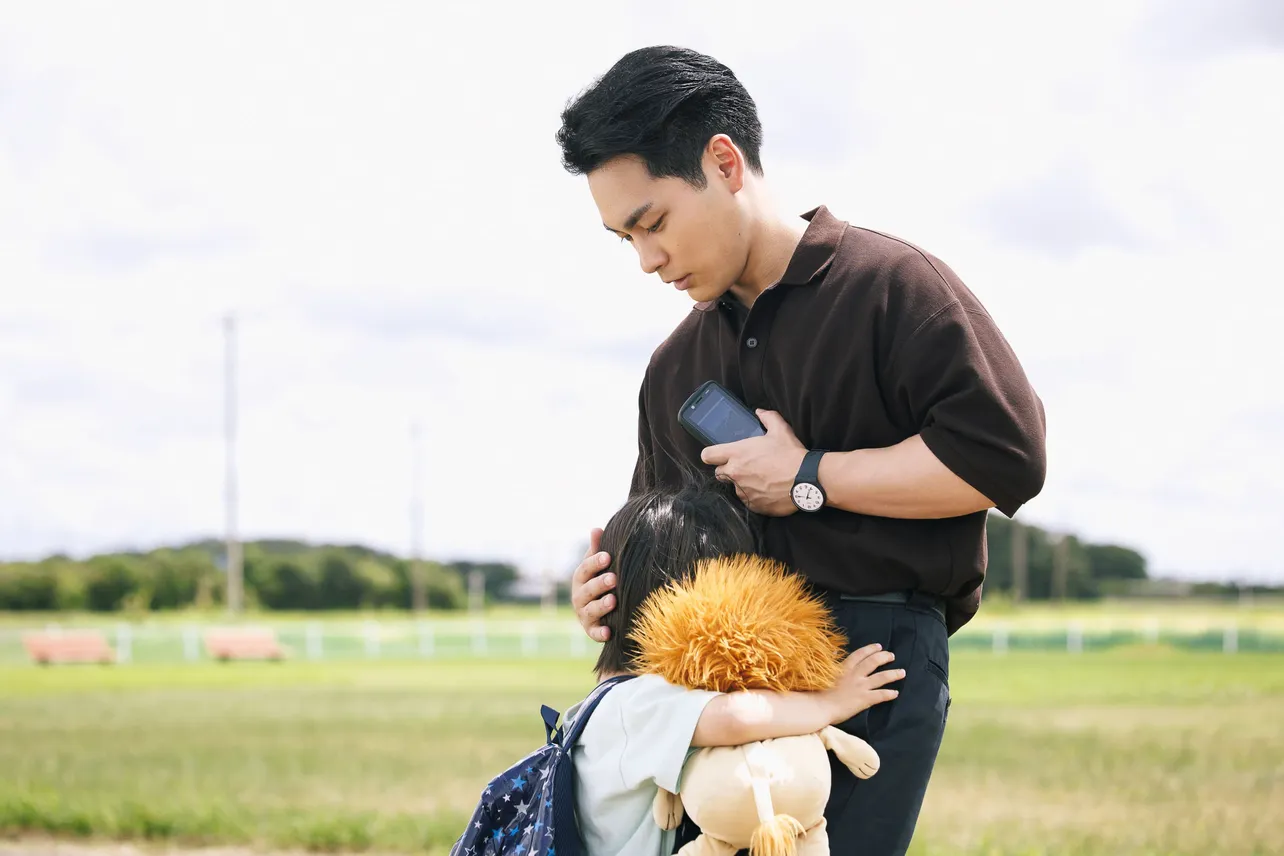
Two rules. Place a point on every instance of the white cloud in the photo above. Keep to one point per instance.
(379, 199)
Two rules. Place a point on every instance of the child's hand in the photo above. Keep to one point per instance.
(860, 687)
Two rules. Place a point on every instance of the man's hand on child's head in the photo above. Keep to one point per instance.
(590, 589)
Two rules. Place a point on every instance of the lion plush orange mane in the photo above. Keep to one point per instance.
(739, 623)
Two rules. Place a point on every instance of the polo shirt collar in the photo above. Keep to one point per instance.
(815, 251)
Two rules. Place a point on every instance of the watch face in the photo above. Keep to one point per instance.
(808, 497)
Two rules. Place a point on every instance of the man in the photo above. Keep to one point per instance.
(885, 387)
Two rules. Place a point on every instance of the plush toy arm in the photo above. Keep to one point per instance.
(856, 754)
(667, 809)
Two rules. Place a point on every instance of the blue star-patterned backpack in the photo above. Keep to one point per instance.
(529, 810)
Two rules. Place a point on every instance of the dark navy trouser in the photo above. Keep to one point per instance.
(877, 816)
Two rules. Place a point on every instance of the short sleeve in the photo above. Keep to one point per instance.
(658, 721)
(975, 408)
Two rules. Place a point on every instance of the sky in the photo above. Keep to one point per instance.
(374, 191)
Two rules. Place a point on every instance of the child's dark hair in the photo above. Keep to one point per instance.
(662, 104)
(661, 535)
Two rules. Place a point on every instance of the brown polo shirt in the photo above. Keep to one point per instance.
(865, 341)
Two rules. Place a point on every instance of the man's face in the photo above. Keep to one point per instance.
(691, 238)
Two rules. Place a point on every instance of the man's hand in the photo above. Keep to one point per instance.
(590, 589)
(762, 468)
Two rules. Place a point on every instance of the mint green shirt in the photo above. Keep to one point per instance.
(636, 743)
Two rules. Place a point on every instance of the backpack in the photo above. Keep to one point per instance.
(529, 809)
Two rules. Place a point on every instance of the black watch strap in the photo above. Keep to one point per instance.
(809, 472)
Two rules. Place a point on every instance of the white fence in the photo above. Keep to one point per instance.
(335, 640)
(549, 638)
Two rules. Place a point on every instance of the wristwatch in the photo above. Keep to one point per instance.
(807, 493)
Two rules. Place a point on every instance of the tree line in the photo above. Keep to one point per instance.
(1034, 564)
(1024, 560)
(278, 575)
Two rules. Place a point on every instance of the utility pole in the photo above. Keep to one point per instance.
(418, 591)
(235, 587)
(1020, 563)
(476, 591)
(1060, 566)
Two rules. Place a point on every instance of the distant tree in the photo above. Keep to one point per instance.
(498, 577)
(72, 579)
(25, 586)
(1040, 562)
(377, 582)
(1112, 562)
(340, 587)
(177, 576)
(283, 582)
(112, 579)
(443, 586)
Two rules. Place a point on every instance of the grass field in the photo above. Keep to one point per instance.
(1140, 751)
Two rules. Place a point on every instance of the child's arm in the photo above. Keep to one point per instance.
(736, 718)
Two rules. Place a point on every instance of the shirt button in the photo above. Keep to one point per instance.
(751, 342)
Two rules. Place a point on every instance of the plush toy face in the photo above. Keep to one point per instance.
(739, 623)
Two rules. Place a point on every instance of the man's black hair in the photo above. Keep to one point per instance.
(661, 535)
(662, 104)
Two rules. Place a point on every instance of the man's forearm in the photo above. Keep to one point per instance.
(905, 481)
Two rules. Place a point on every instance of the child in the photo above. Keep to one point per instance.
(643, 730)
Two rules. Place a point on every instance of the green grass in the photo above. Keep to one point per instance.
(290, 755)
(1140, 751)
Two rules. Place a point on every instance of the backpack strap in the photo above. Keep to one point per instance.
(550, 717)
(586, 710)
(567, 833)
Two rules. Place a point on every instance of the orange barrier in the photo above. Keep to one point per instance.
(77, 646)
(243, 644)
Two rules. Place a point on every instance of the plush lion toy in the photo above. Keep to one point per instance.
(744, 623)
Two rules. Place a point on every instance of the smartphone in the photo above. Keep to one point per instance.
(713, 416)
